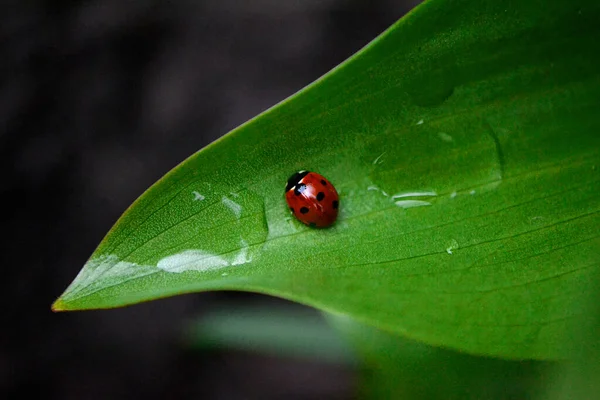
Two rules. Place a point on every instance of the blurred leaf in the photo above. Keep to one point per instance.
(464, 144)
(397, 368)
(265, 329)
(579, 377)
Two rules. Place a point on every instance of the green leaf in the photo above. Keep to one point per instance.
(396, 368)
(464, 144)
(287, 332)
(579, 378)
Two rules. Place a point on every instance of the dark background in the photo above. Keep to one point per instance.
(98, 100)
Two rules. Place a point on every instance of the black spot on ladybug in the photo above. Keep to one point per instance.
(303, 210)
(299, 189)
(323, 182)
(312, 225)
(295, 179)
(335, 204)
(292, 209)
(320, 196)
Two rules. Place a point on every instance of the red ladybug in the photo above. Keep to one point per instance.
(312, 199)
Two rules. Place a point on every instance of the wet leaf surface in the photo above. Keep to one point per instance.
(464, 145)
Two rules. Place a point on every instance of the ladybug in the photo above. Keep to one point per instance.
(312, 199)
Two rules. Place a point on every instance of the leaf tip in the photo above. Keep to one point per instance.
(59, 306)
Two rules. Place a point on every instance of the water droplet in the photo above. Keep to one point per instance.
(376, 189)
(445, 137)
(499, 150)
(191, 260)
(201, 261)
(420, 122)
(472, 192)
(414, 194)
(198, 196)
(239, 224)
(408, 201)
(406, 165)
(453, 245)
(242, 257)
(412, 203)
(431, 90)
(453, 194)
(378, 159)
(235, 208)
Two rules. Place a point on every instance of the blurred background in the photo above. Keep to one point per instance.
(98, 99)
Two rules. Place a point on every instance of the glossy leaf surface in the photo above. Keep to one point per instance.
(464, 143)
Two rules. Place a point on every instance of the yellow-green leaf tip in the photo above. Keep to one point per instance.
(59, 306)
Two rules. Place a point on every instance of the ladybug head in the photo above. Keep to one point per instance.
(294, 179)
